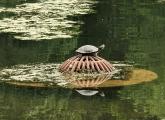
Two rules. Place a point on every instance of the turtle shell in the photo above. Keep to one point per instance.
(87, 49)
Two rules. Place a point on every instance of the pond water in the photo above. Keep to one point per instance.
(49, 31)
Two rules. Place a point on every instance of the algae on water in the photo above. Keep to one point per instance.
(46, 19)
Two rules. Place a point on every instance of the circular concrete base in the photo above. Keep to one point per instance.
(137, 76)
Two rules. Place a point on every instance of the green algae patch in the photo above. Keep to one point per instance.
(45, 19)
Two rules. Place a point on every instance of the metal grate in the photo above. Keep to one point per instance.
(86, 63)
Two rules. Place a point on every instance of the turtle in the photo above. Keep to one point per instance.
(87, 49)
(87, 61)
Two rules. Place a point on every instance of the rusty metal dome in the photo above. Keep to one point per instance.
(86, 62)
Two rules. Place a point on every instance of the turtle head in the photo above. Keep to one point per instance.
(101, 47)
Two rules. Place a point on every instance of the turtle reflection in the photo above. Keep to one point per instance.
(88, 92)
(86, 84)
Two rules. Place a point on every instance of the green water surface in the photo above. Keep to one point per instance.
(132, 30)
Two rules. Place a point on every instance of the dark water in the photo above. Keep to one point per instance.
(131, 30)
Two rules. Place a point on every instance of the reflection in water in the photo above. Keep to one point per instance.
(15, 51)
(87, 92)
(85, 81)
(45, 19)
(90, 92)
(64, 104)
(161, 1)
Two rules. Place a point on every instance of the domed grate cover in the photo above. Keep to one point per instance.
(86, 63)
